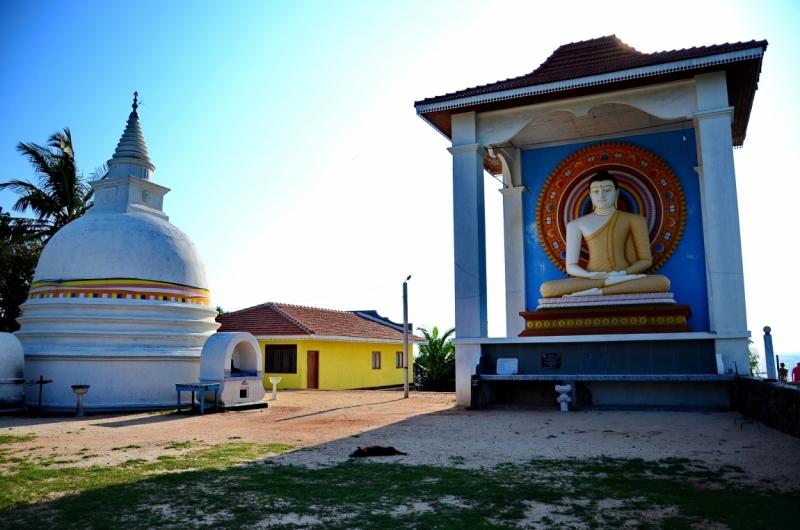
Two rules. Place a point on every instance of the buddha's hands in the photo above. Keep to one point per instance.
(573, 269)
(599, 275)
(620, 277)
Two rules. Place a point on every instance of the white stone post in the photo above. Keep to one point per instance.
(723, 248)
(469, 246)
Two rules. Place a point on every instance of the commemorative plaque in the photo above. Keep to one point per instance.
(551, 361)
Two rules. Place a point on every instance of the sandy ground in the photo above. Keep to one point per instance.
(327, 425)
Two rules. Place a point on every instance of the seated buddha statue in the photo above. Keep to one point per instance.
(619, 249)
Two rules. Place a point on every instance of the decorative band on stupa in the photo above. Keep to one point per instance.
(120, 289)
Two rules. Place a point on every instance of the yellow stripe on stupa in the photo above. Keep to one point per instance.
(120, 289)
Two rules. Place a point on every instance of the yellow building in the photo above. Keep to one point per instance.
(310, 347)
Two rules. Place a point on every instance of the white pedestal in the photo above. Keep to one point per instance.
(274, 381)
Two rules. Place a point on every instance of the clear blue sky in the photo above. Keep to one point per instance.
(287, 132)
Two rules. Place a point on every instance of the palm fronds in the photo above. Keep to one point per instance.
(436, 361)
(61, 194)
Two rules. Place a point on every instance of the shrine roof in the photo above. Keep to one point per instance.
(277, 319)
(592, 61)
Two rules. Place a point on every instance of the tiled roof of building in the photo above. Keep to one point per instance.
(276, 319)
(601, 56)
(592, 57)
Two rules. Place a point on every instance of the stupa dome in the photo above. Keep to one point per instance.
(119, 300)
(103, 244)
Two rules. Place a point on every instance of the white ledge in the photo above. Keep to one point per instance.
(470, 148)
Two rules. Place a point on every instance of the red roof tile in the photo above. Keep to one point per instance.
(592, 57)
(260, 320)
(285, 319)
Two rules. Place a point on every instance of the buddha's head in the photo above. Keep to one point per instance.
(603, 189)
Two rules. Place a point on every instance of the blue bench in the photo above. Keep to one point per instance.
(202, 388)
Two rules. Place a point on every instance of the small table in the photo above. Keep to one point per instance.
(201, 388)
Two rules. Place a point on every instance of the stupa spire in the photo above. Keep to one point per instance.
(131, 150)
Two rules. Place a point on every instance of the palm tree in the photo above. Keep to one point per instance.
(436, 361)
(62, 194)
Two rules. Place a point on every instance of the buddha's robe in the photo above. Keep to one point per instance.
(621, 244)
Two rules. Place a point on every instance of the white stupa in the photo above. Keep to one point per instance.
(119, 300)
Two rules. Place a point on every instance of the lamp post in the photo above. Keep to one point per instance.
(405, 337)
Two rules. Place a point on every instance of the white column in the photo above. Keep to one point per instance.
(469, 233)
(514, 239)
(723, 248)
(467, 358)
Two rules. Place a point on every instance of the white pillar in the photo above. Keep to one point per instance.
(469, 233)
(514, 239)
(720, 208)
(467, 358)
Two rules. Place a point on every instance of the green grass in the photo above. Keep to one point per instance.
(13, 438)
(126, 447)
(230, 486)
(181, 445)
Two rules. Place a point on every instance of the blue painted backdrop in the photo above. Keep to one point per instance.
(686, 268)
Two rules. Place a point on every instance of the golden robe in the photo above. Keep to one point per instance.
(621, 244)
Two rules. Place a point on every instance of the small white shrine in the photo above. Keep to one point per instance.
(119, 300)
(234, 361)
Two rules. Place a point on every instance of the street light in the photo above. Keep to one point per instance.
(405, 337)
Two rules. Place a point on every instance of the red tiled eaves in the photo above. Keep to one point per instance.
(593, 57)
(286, 319)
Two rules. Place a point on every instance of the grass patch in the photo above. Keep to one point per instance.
(226, 484)
(180, 445)
(16, 438)
(133, 462)
(126, 447)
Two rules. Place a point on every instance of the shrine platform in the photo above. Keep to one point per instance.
(653, 371)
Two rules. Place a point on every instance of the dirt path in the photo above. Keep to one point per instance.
(328, 425)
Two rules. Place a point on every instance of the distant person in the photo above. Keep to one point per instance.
(796, 374)
(783, 373)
